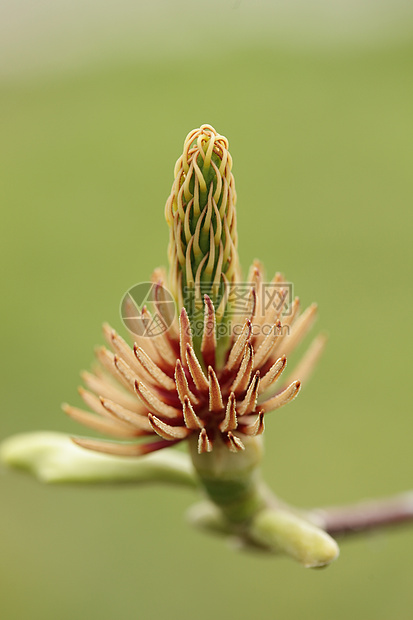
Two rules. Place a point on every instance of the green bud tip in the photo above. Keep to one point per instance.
(201, 214)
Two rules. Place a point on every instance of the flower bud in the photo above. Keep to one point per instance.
(283, 531)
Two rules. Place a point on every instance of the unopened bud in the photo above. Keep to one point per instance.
(283, 531)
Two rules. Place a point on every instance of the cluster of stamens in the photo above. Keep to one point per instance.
(163, 391)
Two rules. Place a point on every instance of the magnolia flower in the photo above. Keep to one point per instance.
(209, 376)
(188, 384)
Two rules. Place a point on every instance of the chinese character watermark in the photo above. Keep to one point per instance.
(149, 310)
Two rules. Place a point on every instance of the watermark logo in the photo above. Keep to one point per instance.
(147, 309)
(275, 297)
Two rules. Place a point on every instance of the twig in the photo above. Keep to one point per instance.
(367, 515)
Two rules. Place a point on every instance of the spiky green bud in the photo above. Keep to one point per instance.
(201, 214)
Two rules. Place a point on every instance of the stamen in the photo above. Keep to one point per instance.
(93, 402)
(285, 335)
(256, 428)
(250, 308)
(272, 375)
(136, 324)
(107, 390)
(126, 372)
(125, 352)
(102, 425)
(244, 374)
(181, 385)
(166, 430)
(192, 421)
(239, 346)
(230, 422)
(126, 415)
(165, 353)
(250, 401)
(165, 310)
(215, 397)
(234, 443)
(300, 328)
(263, 352)
(282, 398)
(121, 449)
(252, 304)
(107, 360)
(156, 374)
(195, 369)
(274, 311)
(154, 404)
(255, 278)
(204, 443)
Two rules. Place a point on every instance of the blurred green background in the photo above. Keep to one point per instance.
(317, 106)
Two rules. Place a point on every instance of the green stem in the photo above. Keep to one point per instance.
(232, 480)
